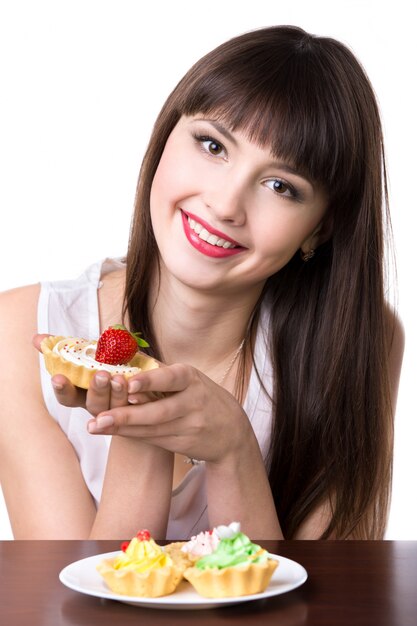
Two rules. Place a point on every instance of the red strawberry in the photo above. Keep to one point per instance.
(117, 345)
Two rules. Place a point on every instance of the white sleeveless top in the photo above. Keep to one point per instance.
(70, 308)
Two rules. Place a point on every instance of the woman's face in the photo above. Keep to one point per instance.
(226, 213)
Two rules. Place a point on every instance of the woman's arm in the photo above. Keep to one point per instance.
(45, 493)
(137, 491)
(199, 419)
(241, 481)
(137, 486)
(44, 489)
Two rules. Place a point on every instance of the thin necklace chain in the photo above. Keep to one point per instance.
(232, 362)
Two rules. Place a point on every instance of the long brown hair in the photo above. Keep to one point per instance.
(310, 101)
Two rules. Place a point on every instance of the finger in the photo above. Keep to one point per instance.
(166, 435)
(37, 340)
(167, 379)
(143, 398)
(66, 393)
(130, 420)
(106, 424)
(98, 394)
(118, 396)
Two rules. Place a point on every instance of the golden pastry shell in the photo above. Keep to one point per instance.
(181, 559)
(79, 375)
(153, 583)
(239, 580)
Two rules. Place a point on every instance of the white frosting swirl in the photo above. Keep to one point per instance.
(203, 543)
(82, 353)
(206, 542)
(227, 532)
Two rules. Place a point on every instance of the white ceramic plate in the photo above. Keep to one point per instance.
(82, 576)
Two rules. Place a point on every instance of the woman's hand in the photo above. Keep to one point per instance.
(105, 392)
(194, 416)
(199, 419)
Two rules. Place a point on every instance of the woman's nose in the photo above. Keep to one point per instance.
(226, 201)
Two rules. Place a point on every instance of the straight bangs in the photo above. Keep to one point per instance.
(287, 97)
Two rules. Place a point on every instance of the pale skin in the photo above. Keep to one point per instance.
(229, 183)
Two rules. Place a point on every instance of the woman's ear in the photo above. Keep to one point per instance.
(320, 234)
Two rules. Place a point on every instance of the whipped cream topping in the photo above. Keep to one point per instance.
(82, 352)
(205, 235)
(207, 541)
(203, 543)
(228, 532)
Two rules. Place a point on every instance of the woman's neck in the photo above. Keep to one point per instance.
(202, 329)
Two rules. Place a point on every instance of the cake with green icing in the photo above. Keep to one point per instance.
(237, 567)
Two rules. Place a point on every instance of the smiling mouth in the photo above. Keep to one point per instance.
(207, 240)
(209, 237)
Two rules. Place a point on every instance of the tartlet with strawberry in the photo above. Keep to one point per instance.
(116, 352)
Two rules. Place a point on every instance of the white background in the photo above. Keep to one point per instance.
(81, 84)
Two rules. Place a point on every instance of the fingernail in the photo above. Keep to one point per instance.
(101, 381)
(104, 421)
(92, 427)
(134, 386)
(116, 386)
(100, 423)
(132, 400)
(57, 386)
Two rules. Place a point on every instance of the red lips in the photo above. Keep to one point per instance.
(204, 247)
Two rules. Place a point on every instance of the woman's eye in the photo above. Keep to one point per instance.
(213, 147)
(281, 188)
(210, 145)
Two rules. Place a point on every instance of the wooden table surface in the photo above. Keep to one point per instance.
(352, 583)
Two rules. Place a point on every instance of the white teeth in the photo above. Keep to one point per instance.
(204, 234)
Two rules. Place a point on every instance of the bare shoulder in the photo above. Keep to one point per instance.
(18, 324)
(19, 297)
(396, 343)
(396, 334)
(18, 310)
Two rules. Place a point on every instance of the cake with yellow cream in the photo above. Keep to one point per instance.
(142, 569)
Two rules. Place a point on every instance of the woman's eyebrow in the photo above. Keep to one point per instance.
(220, 128)
(289, 169)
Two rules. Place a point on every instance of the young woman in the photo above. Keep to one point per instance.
(255, 271)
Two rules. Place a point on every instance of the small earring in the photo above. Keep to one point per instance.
(307, 256)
